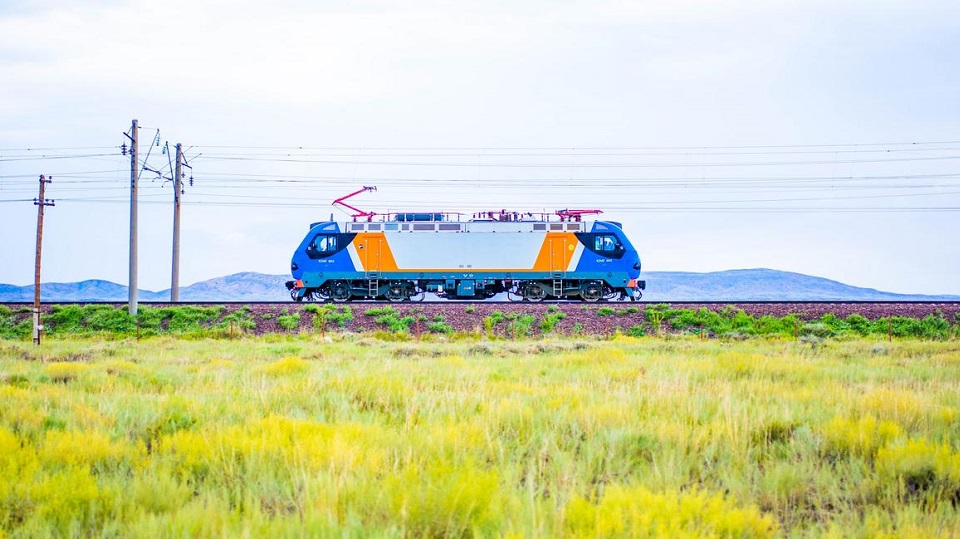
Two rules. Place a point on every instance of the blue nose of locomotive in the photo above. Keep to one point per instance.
(295, 269)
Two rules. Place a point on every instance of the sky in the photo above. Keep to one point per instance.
(818, 137)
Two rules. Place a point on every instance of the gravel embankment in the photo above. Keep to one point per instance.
(590, 319)
(602, 319)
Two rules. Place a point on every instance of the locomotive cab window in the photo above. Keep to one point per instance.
(607, 243)
(323, 245)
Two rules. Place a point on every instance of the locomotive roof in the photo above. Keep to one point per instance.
(451, 220)
(473, 225)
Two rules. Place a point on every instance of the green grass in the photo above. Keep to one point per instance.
(288, 321)
(727, 324)
(550, 320)
(352, 436)
(391, 319)
(326, 314)
(439, 325)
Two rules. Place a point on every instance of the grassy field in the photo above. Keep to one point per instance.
(352, 436)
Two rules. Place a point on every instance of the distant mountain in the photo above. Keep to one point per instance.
(662, 286)
(762, 285)
(92, 290)
(246, 286)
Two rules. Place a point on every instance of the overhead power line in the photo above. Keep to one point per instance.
(580, 165)
(63, 148)
(639, 208)
(668, 177)
(52, 157)
(238, 179)
(567, 148)
(611, 153)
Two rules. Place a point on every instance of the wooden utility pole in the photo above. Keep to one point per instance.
(134, 176)
(177, 191)
(40, 202)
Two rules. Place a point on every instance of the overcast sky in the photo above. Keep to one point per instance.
(816, 137)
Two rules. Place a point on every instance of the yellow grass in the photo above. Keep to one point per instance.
(648, 437)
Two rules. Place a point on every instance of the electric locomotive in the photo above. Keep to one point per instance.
(402, 256)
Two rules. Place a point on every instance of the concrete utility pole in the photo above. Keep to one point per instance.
(134, 173)
(177, 191)
(40, 202)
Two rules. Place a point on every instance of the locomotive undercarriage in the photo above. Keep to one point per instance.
(400, 290)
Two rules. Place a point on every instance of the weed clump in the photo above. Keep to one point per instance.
(391, 319)
(288, 321)
(438, 325)
(860, 438)
(774, 432)
(240, 320)
(286, 366)
(11, 327)
(639, 512)
(521, 325)
(460, 499)
(920, 471)
(329, 314)
(65, 372)
(491, 321)
(550, 321)
(480, 350)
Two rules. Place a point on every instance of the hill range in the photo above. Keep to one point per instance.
(662, 286)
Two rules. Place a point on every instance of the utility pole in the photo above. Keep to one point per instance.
(134, 173)
(40, 202)
(177, 191)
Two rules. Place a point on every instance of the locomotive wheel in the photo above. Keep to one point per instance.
(340, 291)
(534, 293)
(591, 293)
(396, 293)
(295, 296)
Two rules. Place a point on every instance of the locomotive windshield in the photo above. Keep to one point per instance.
(606, 243)
(322, 245)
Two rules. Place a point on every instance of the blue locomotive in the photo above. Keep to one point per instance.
(402, 256)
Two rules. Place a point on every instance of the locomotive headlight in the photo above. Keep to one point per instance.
(294, 266)
(636, 265)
